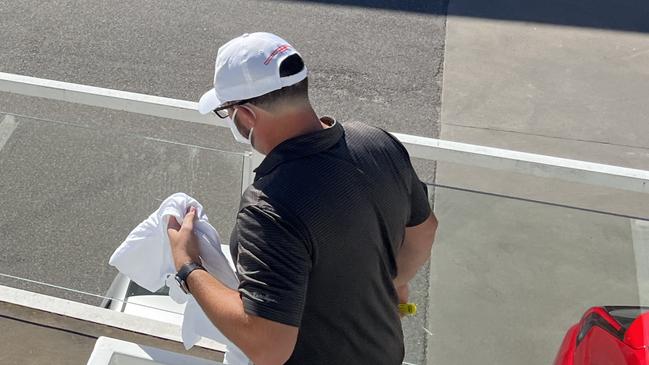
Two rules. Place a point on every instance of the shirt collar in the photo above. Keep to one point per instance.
(301, 146)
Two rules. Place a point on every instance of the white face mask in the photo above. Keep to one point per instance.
(235, 131)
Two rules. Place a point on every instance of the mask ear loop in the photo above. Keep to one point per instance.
(235, 131)
(253, 128)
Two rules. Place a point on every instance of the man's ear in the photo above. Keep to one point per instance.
(247, 116)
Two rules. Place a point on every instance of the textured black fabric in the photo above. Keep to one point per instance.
(316, 238)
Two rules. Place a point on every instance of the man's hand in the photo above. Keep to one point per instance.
(184, 245)
(403, 291)
(262, 340)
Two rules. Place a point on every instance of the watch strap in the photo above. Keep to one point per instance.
(183, 273)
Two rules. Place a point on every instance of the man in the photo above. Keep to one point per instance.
(329, 234)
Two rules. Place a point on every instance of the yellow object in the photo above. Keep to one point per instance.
(408, 309)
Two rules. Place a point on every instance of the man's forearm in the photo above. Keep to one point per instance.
(265, 342)
(415, 251)
(223, 306)
(409, 261)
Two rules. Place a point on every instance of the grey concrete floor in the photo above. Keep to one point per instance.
(366, 64)
(509, 278)
(73, 190)
(559, 78)
(564, 91)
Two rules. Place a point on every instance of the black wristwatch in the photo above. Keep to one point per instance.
(183, 273)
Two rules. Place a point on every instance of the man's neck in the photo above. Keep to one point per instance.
(296, 123)
(302, 122)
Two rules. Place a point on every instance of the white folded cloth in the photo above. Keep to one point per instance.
(145, 257)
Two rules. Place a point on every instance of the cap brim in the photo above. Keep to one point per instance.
(208, 102)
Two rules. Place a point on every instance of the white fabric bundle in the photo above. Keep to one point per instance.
(145, 257)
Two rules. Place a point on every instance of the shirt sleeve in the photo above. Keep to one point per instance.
(417, 190)
(273, 265)
(419, 208)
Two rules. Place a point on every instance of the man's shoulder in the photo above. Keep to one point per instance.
(255, 198)
(374, 139)
(268, 198)
(361, 129)
(309, 177)
(265, 209)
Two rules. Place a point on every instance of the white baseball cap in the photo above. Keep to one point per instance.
(247, 67)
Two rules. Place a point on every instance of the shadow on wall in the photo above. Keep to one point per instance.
(622, 15)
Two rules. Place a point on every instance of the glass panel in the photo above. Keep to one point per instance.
(543, 189)
(71, 194)
(509, 277)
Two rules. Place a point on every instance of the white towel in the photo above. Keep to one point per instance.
(145, 257)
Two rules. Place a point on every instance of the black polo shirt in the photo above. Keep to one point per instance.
(316, 239)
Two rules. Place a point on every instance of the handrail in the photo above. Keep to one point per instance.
(592, 173)
(106, 98)
(419, 147)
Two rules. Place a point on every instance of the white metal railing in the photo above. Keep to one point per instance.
(527, 163)
(420, 147)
